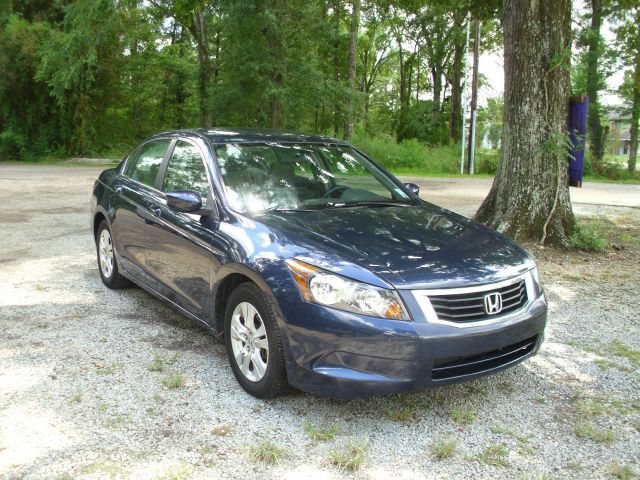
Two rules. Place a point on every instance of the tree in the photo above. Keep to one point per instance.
(529, 198)
(596, 135)
(351, 68)
(627, 18)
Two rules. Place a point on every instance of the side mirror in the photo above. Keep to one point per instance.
(415, 189)
(186, 202)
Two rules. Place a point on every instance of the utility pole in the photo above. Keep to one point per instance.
(474, 96)
(464, 96)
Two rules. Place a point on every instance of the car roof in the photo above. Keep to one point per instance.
(252, 135)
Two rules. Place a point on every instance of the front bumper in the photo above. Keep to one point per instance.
(338, 354)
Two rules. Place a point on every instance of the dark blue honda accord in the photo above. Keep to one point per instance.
(318, 268)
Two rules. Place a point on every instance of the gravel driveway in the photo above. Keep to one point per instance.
(97, 383)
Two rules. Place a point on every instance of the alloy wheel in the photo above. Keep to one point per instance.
(249, 342)
(105, 252)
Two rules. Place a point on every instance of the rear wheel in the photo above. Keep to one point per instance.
(253, 342)
(107, 260)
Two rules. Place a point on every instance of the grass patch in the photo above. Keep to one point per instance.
(174, 381)
(181, 472)
(623, 472)
(160, 361)
(510, 433)
(76, 398)
(463, 416)
(444, 448)
(588, 430)
(222, 430)
(589, 406)
(574, 466)
(402, 414)
(587, 239)
(619, 349)
(320, 434)
(605, 365)
(534, 476)
(110, 370)
(351, 456)
(118, 422)
(267, 452)
(109, 468)
(495, 455)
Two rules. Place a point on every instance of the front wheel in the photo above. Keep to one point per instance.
(107, 260)
(253, 342)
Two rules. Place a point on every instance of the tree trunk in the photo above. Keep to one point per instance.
(635, 117)
(351, 69)
(436, 78)
(403, 86)
(596, 140)
(336, 70)
(456, 95)
(529, 199)
(198, 29)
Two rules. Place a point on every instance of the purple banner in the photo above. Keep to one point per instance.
(577, 130)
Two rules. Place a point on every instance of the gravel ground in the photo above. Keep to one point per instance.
(81, 395)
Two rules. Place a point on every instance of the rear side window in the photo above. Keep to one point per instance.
(186, 171)
(144, 164)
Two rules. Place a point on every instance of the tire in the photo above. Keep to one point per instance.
(257, 362)
(107, 264)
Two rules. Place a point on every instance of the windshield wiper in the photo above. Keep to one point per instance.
(369, 203)
(286, 210)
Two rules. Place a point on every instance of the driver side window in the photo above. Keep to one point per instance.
(186, 171)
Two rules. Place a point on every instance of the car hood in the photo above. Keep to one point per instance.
(408, 246)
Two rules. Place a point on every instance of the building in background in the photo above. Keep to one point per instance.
(619, 123)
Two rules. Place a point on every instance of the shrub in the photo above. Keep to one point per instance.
(583, 238)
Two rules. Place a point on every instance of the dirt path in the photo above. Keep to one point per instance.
(464, 195)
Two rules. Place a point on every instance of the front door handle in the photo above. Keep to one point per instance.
(118, 189)
(156, 211)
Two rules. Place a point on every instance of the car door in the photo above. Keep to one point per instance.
(178, 257)
(133, 189)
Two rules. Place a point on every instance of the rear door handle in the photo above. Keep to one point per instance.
(156, 211)
(118, 189)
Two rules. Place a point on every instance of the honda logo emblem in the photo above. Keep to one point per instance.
(493, 303)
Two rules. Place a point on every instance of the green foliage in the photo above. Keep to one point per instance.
(588, 430)
(94, 77)
(321, 434)
(267, 452)
(410, 155)
(496, 455)
(587, 239)
(351, 456)
(444, 448)
(623, 472)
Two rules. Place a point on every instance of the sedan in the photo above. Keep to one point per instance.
(316, 267)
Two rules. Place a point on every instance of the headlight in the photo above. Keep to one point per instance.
(319, 286)
(536, 280)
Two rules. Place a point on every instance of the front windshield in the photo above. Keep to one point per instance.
(274, 176)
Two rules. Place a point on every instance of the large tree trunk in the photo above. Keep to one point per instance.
(351, 68)
(529, 199)
(635, 117)
(596, 138)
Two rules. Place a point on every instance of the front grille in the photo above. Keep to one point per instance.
(458, 367)
(469, 307)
